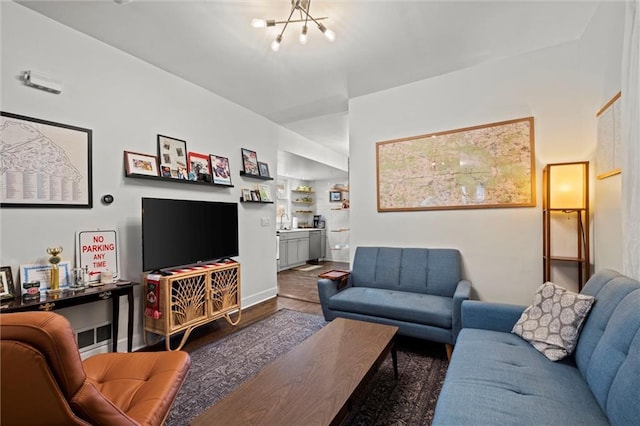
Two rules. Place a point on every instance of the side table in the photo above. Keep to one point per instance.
(68, 298)
(336, 275)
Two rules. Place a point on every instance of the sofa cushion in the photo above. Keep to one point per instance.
(553, 322)
(418, 270)
(499, 379)
(394, 304)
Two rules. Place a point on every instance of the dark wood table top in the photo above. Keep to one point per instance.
(310, 385)
(67, 297)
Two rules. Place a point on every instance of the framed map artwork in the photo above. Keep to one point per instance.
(486, 166)
(44, 164)
(609, 148)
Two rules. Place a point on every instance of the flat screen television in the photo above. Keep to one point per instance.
(184, 232)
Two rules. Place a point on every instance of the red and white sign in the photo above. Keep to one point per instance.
(98, 251)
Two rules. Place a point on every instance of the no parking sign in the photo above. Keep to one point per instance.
(98, 251)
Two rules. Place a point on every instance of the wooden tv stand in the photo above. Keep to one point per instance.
(192, 297)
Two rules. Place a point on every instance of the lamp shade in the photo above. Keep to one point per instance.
(568, 185)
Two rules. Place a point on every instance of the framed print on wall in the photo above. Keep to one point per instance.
(7, 289)
(220, 170)
(198, 164)
(263, 168)
(172, 155)
(335, 196)
(486, 166)
(44, 164)
(250, 162)
(140, 164)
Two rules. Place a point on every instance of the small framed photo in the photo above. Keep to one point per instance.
(7, 289)
(263, 168)
(250, 162)
(172, 155)
(247, 194)
(140, 164)
(255, 195)
(220, 169)
(265, 192)
(335, 196)
(198, 165)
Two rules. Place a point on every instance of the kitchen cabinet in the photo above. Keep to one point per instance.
(294, 248)
(317, 244)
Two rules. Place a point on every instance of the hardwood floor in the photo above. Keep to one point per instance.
(302, 285)
(297, 290)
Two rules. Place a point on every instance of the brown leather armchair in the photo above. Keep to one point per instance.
(44, 381)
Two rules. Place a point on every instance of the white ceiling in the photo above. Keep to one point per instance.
(379, 45)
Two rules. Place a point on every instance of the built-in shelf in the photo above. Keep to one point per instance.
(173, 180)
(248, 175)
(302, 202)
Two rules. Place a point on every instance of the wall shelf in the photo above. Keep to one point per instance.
(247, 175)
(172, 180)
(256, 202)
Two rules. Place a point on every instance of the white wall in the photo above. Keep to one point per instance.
(127, 102)
(600, 52)
(501, 248)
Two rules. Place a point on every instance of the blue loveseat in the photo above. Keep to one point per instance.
(418, 290)
(497, 378)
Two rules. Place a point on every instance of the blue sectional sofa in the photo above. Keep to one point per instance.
(418, 290)
(497, 378)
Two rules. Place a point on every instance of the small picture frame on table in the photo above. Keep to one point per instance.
(250, 162)
(335, 196)
(172, 155)
(220, 170)
(264, 169)
(198, 165)
(136, 163)
(7, 288)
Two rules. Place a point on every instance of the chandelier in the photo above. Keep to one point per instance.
(302, 6)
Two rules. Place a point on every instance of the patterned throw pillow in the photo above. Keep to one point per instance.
(553, 322)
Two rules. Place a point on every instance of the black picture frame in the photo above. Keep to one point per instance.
(335, 196)
(52, 160)
(263, 169)
(7, 287)
(250, 162)
(172, 157)
(220, 169)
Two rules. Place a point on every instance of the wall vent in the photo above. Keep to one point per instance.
(93, 337)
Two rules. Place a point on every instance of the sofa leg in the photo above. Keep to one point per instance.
(449, 349)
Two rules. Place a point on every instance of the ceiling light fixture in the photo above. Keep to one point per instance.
(302, 6)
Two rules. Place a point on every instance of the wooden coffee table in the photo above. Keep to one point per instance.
(313, 383)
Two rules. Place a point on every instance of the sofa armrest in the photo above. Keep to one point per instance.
(490, 316)
(463, 291)
(326, 289)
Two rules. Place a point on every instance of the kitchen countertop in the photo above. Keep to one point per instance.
(298, 230)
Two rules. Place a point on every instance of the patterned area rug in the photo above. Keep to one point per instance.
(222, 366)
